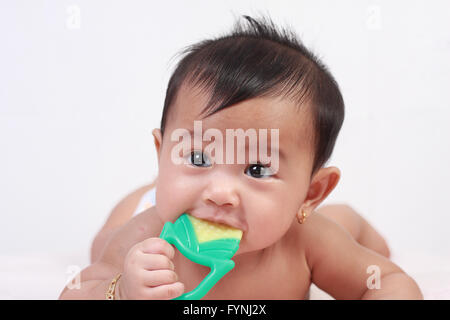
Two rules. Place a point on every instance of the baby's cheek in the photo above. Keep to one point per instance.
(166, 207)
(265, 232)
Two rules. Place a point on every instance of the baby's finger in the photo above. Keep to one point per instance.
(167, 291)
(158, 277)
(155, 262)
(157, 245)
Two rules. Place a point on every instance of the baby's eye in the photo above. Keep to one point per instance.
(258, 170)
(198, 158)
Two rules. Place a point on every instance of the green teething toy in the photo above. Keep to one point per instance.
(207, 243)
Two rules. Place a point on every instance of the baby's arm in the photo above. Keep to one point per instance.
(358, 227)
(340, 266)
(96, 278)
(143, 259)
(118, 217)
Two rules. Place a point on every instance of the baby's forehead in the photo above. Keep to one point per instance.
(293, 122)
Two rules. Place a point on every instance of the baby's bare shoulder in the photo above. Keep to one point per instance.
(301, 235)
(318, 231)
(314, 235)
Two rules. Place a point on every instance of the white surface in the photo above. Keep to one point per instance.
(80, 94)
(38, 275)
(43, 276)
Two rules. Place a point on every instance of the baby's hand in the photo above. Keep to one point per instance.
(149, 272)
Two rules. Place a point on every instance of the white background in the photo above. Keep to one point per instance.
(82, 84)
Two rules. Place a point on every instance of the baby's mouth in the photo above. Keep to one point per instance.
(206, 230)
(227, 221)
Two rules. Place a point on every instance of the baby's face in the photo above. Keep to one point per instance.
(253, 199)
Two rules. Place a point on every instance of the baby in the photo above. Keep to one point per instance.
(255, 78)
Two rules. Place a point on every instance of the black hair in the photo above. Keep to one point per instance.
(260, 60)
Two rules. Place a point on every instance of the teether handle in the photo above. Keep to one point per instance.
(219, 267)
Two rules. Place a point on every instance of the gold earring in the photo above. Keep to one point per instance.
(301, 218)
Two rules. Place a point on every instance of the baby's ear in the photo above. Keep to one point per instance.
(323, 182)
(158, 140)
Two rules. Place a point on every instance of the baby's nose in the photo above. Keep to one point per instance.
(221, 196)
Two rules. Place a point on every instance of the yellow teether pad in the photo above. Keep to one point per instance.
(207, 231)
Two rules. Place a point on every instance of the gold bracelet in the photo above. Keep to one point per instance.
(111, 294)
